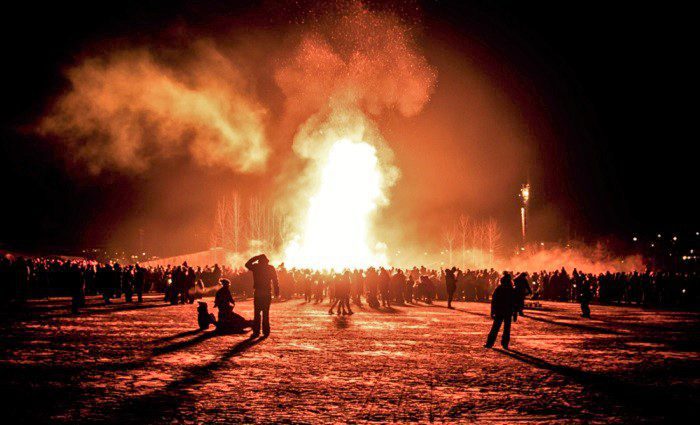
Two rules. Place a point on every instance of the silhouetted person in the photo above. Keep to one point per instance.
(372, 282)
(585, 299)
(204, 318)
(408, 289)
(343, 293)
(139, 282)
(450, 285)
(116, 280)
(332, 294)
(190, 285)
(228, 321)
(77, 288)
(522, 290)
(264, 281)
(501, 311)
(385, 287)
(127, 284)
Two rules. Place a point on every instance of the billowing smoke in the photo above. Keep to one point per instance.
(584, 258)
(126, 108)
(341, 77)
(363, 57)
(338, 75)
(302, 96)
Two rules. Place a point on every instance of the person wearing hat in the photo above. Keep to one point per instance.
(228, 321)
(502, 302)
(264, 282)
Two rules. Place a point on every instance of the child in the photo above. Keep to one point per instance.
(204, 318)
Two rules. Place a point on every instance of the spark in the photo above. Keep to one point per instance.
(525, 193)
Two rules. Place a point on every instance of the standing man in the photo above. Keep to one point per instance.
(501, 311)
(139, 281)
(264, 280)
(451, 285)
(585, 296)
(385, 287)
(522, 290)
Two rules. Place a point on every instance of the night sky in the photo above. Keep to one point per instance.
(605, 87)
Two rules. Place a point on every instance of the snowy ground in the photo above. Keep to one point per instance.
(147, 363)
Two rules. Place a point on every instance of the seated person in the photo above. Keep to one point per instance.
(228, 321)
(204, 318)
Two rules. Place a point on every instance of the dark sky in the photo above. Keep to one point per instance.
(612, 85)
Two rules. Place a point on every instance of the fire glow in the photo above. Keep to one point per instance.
(332, 83)
(336, 230)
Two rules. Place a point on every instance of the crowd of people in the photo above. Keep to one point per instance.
(24, 278)
(40, 277)
(378, 287)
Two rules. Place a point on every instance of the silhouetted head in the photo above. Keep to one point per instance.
(225, 282)
(264, 259)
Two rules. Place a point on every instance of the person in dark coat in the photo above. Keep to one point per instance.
(190, 285)
(204, 318)
(385, 287)
(450, 285)
(585, 296)
(116, 280)
(264, 282)
(343, 293)
(522, 290)
(502, 302)
(139, 281)
(228, 321)
(77, 288)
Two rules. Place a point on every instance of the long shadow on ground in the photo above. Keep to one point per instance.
(33, 314)
(648, 402)
(163, 405)
(579, 326)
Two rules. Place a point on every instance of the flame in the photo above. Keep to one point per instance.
(337, 226)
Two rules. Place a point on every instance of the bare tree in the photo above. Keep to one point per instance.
(219, 228)
(493, 238)
(226, 232)
(256, 222)
(281, 229)
(241, 226)
(449, 236)
(235, 222)
(463, 224)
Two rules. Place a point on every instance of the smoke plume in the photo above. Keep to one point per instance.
(344, 74)
(363, 57)
(584, 258)
(126, 108)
